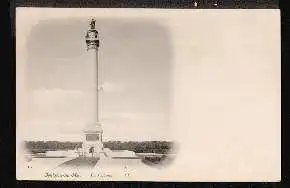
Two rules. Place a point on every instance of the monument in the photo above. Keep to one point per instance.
(93, 133)
(92, 140)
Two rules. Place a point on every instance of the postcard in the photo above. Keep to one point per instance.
(148, 94)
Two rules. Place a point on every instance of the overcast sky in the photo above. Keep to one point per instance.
(136, 61)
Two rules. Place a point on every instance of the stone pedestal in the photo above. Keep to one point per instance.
(92, 141)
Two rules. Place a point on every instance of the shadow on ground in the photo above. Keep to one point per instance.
(84, 162)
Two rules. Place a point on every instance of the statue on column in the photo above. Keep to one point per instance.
(93, 23)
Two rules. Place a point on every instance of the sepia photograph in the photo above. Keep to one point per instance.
(147, 95)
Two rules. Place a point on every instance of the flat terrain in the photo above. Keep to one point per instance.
(80, 163)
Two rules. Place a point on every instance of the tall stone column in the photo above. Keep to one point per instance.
(93, 131)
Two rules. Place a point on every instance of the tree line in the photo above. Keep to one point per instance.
(162, 147)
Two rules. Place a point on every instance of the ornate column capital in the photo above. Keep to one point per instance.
(92, 40)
